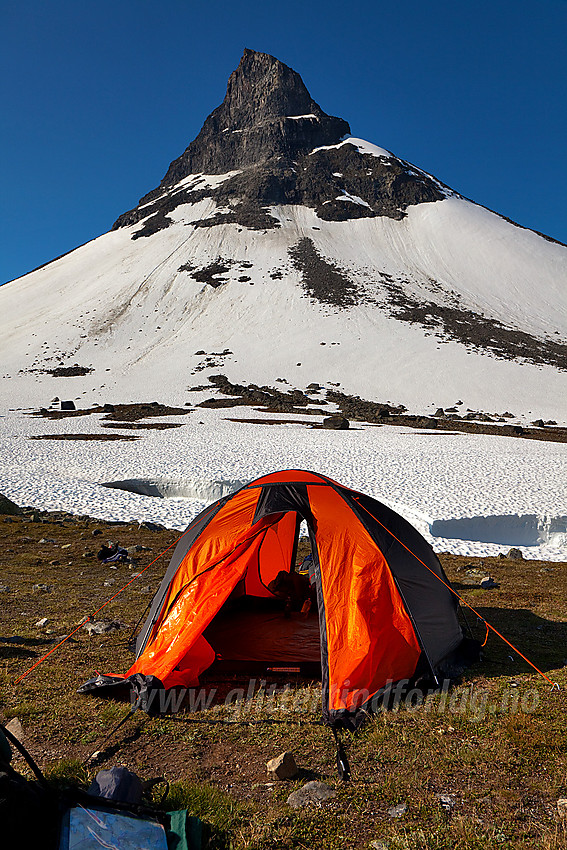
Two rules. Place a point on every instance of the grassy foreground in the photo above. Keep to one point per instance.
(480, 767)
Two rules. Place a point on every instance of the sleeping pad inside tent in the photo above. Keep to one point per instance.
(377, 608)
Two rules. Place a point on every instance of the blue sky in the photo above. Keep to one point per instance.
(98, 98)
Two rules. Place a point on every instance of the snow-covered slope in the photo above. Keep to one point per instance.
(314, 259)
(125, 309)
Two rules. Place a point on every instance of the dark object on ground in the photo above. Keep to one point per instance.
(112, 553)
(488, 583)
(117, 783)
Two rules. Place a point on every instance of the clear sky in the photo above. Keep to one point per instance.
(98, 98)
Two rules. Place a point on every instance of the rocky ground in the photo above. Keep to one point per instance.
(314, 402)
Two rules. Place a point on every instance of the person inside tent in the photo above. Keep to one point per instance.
(296, 588)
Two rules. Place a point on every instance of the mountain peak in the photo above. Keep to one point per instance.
(263, 88)
(267, 112)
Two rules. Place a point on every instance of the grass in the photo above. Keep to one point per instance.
(496, 744)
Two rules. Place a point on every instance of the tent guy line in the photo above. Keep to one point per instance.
(488, 625)
(98, 610)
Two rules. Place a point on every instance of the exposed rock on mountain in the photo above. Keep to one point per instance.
(274, 145)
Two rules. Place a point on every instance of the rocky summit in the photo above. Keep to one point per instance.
(279, 147)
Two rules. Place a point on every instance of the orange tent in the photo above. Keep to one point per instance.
(383, 613)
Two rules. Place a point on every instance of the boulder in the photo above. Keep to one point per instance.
(282, 767)
(515, 554)
(313, 793)
(336, 423)
(488, 583)
(8, 508)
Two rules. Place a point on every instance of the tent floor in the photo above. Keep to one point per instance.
(256, 635)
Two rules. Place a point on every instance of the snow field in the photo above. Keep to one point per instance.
(484, 493)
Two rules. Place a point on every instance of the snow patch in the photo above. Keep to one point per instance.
(207, 181)
(165, 488)
(506, 529)
(353, 199)
(360, 144)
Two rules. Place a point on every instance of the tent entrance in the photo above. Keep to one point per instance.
(257, 634)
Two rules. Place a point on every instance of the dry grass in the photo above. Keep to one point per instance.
(499, 756)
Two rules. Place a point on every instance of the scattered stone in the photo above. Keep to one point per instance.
(42, 623)
(145, 589)
(42, 588)
(152, 526)
(109, 582)
(398, 811)
(97, 532)
(4, 588)
(15, 727)
(102, 627)
(439, 412)
(448, 801)
(336, 423)
(562, 807)
(67, 405)
(488, 583)
(539, 423)
(66, 546)
(380, 845)
(515, 554)
(282, 767)
(47, 540)
(313, 793)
